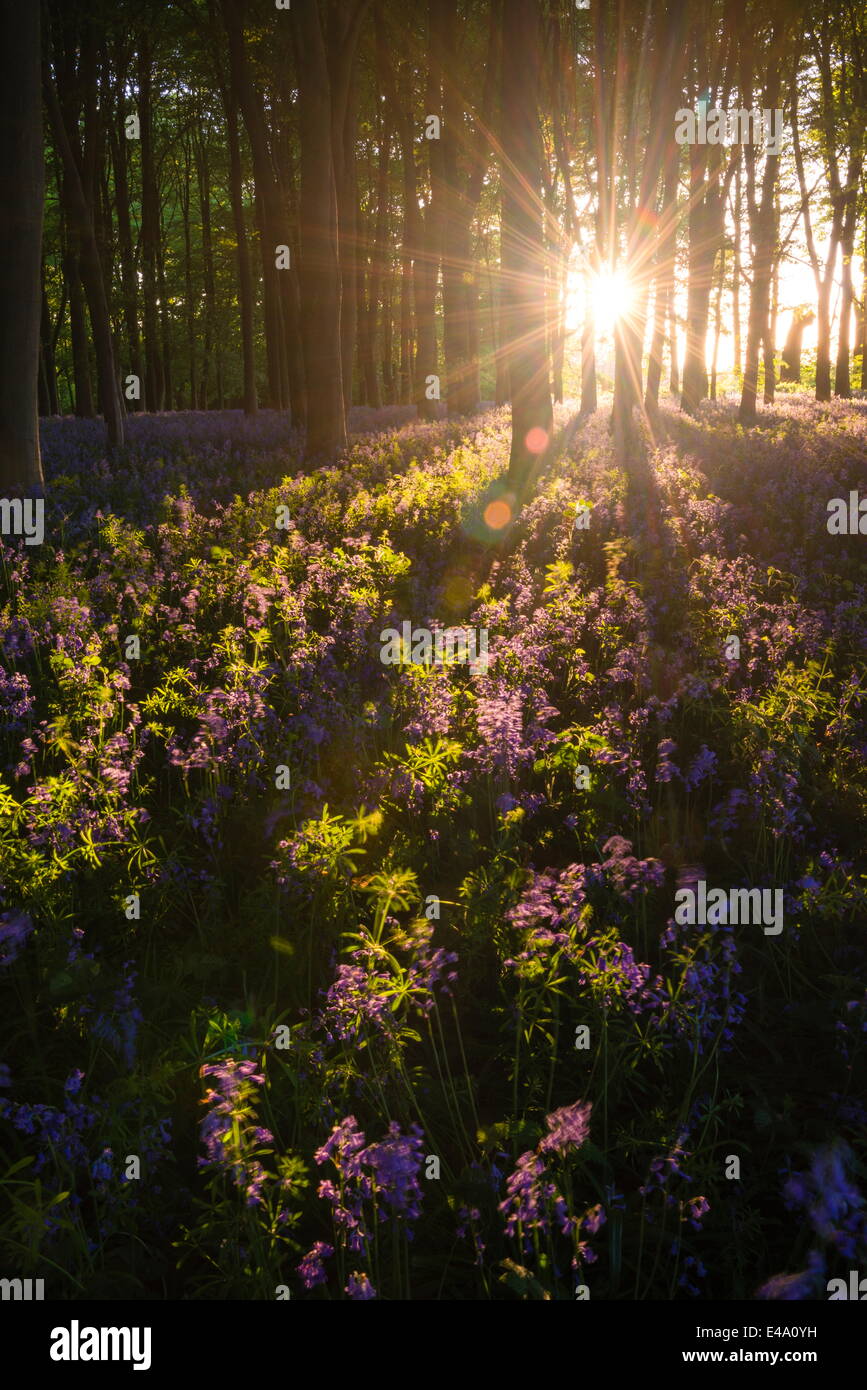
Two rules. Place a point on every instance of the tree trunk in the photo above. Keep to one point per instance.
(523, 254)
(559, 348)
(210, 314)
(320, 259)
(702, 251)
(823, 327)
(863, 316)
(47, 352)
(842, 382)
(21, 192)
(129, 290)
(664, 275)
(790, 367)
(771, 335)
(154, 383)
(717, 319)
(184, 182)
(426, 268)
(410, 234)
(736, 273)
(365, 290)
(165, 325)
(245, 278)
(78, 332)
(673, 352)
(379, 253)
(458, 267)
(346, 179)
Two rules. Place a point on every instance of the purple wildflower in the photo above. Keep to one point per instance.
(568, 1128)
(15, 927)
(359, 1287)
(312, 1266)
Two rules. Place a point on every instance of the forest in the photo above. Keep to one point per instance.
(433, 619)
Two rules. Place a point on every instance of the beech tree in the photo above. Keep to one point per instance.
(21, 196)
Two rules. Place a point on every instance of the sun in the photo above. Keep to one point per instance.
(611, 298)
(611, 294)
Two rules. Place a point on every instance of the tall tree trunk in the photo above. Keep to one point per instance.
(22, 180)
(709, 186)
(426, 269)
(47, 349)
(346, 177)
(245, 278)
(78, 331)
(340, 42)
(863, 315)
(457, 213)
(320, 259)
(154, 384)
(290, 298)
(667, 247)
(736, 277)
(673, 352)
(823, 326)
(368, 376)
(771, 335)
(210, 314)
(185, 180)
(717, 320)
(403, 119)
(388, 332)
(129, 289)
(165, 327)
(559, 346)
(379, 253)
(842, 382)
(523, 255)
(702, 252)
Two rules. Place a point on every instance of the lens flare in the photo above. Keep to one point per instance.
(536, 440)
(497, 514)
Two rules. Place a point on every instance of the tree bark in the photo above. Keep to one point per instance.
(245, 278)
(155, 382)
(210, 306)
(320, 258)
(426, 268)
(21, 194)
(47, 349)
(523, 255)
(129, 289)
(790, 368)
(667, 248)
(403, 118)
(78, 331)
(842, 380)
